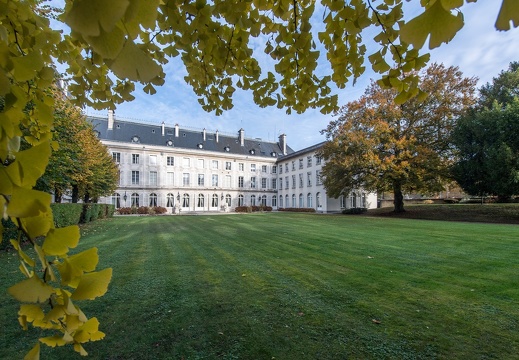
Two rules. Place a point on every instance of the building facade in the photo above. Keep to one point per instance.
(192, 170)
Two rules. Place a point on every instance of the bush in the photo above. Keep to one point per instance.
(354, 211)
(66, 214)
(143, 210)
(308, 210)
(160, 210)
(451, 201)
(250, 209)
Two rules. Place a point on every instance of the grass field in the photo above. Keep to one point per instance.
(295, 286)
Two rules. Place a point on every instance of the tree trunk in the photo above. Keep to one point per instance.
(398, 198)
(86, 198)
(75, 194)
(57, 195)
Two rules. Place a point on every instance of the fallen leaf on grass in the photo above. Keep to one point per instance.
(375, 321)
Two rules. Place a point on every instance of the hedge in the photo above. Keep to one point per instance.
(354, 211)
(250, 209)
(66, 214)
(142, 210)
(310, 210)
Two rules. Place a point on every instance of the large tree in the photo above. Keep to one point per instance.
(113, 44)
(487, 147)
(380, 145)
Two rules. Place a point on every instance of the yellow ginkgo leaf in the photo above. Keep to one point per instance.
(89, 332)
(73, 267)
(88, 17)
(53, 341)
(31, 290)
(34, 354)
(58, 241)
(509, 12)
(92, 285)
(134, 64)
(28, 203)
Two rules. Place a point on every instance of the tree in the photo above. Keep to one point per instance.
(113, 44)
(380, 145)
(486, 141)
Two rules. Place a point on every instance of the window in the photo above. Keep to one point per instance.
(135, 200)
(185, 179)
(170, 178)
(293, 181)
(153, 159)
(286, 182)
(170, 161)
(228, 165)
(280, 200)
(309, 200)
(241, 166)
(293, 165)
(301, 201)
(200, 163)
(281, 169)
(186, 162)
(253, 182)
(286, 201)
(300, 163)
(300, 180)
(153, 200)
(240, 200)
(286, 167)
(228, 199)
(117, 157)
(309, 179)
(263, 183)
(214, 202)
(308, 161)
(353, 200)
(135, 178)
(214, 180)
(264, 200)
(293, 200)
(363, 202)
(318, 160)
(318, 179)
(201, 201)
(200, 179)
(253, 200)
(227, 181)
(274, 201)
(116, 200)
(342, 202)
(274, 183)
(318, 200)
(185, 200)
(253, 167)
(135, 158)
(263, 168)
(274, 169)
(240, 181)
(214, 164)
(170, 200)
(153, 178)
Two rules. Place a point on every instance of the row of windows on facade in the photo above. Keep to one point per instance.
(318, 161)
(186, 180)
(186, 163)
(254, 201)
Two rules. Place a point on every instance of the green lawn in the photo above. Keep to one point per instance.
(295, 286)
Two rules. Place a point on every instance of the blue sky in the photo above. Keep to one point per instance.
(478, 50)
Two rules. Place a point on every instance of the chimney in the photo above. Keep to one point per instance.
(203, 132)
(176, 130)
(283, 143)
(111, 118)
(241, 136)
(216, 135)
(163, 128)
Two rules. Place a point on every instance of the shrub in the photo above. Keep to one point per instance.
(160, 210)
(143, 210)
(451, 201)
(308, 210)
(354, 211)
(250, 209)
(66, 214)
(124, 211)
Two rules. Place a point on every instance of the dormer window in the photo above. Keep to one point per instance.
(227, 149)
(252, 151)
(135, 139)
(273, 154)
(199, 145)
(169, 143)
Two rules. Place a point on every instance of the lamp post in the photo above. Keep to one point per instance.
(124, 198)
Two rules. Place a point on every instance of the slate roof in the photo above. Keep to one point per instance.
(151, 134)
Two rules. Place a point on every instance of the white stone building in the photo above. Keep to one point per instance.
(197, 170)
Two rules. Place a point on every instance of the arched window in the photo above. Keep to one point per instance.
(264, 200)
(318, 200)
(342, 203)
(274, 201)
(353, 200)
(287, 204)
(228, 199)
(309, 200)
(201, 201)
(253, 200)
(135, 200)
(185, 201)
(240, 200)
(153, 199)
(363, 201)
(280, 200)
(214, 203)
(293, 200)
(301, 201)
(116, 200)
(170, 200)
